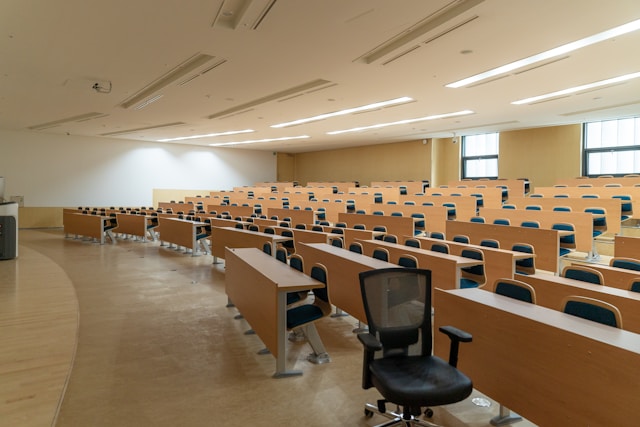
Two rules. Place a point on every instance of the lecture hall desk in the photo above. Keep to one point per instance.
(222, 237)
(582, 222)
(550, 367)
(181, 232)
(445, 268)
(133, 225)
(343, 268)
(603, 192)
(626, 247)
(258, 285)
(498, 263)
(86, 225)
(546, 242)
(612, 207)
(613, 276)
(552, 290)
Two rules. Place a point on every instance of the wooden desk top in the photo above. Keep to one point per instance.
(285, 278)
(459, 260)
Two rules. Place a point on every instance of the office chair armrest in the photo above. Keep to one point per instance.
(370, 342)
(456, 336)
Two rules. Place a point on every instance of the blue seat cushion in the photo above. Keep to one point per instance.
(467, 283)
(302, 314)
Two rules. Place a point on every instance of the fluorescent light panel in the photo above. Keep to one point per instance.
(373, 106)
(575, 89)
(254, 141)
(403, 122)
(560, 50)
(209, 135)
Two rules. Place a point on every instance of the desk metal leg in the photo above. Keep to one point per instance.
(505, 417)
(281, 359)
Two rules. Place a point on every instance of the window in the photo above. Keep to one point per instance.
(480, 156)
(611, 147)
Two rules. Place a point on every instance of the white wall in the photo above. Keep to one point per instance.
(59, 170)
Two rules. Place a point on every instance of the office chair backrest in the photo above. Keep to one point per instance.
(337, 242)
(381, 254)
(408, 261)
(266, 248)
(584, 274)
(530, 224)
(443, 248)
(533, 208)
(526, 265)
(461, 239)
(391, 238)
(626, 263)
(561, 209)
(593, 309)
(397, 303)
(502, 221)
(490, 243)
(252, 227)
(359, 227)
(296, 261)
(356, 247)
(281, 254)
(515, 289)
(437, 235)
(566, 241)
(635, 285)
(319, 273)
(269, 230)
(414, 243)
(479, 219)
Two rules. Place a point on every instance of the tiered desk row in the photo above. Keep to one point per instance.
(525, 356)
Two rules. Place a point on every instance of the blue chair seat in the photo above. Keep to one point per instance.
(302, 314)
(468, 283)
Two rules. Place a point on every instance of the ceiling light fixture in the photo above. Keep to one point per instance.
(148, 101)
(403, 122)
(575, 89)
(254, 141)
(558, 51)
(209, 135)
(373, 106)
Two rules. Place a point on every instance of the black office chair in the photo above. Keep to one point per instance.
(397, 303)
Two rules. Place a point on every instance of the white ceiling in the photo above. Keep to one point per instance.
(53, 52)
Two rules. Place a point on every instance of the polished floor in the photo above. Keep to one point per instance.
(157, 346)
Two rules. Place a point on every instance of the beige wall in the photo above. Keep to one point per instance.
(402, 161)
(541, 154)
(286, 167)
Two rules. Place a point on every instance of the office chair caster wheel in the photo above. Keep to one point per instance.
(428, 412)
(368, 413)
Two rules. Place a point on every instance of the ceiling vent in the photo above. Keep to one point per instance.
(419, 30)
(162, 126)
(79, 118)
(305, 88)
(182, 72)
(431, 39)
(242, 14)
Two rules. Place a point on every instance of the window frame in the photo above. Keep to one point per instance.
(617, 148)
(464, 159)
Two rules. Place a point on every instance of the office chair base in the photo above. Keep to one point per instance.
(319, 359)
(395, 417)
